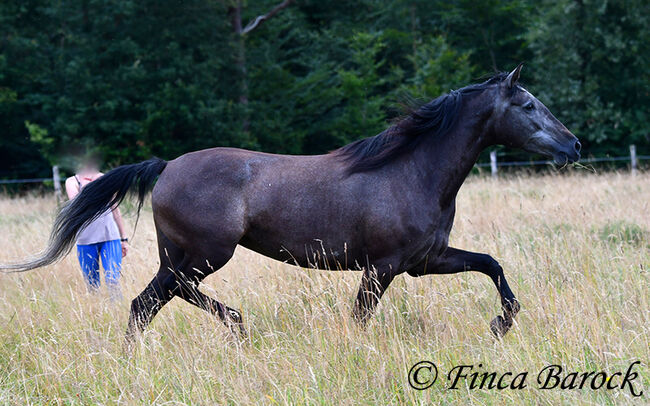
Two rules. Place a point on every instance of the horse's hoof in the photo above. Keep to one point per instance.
(130, 341)
(128, 346)
(499, 326)
(239, 330)
(235, 322)
(361, 317)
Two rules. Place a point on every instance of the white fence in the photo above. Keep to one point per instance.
(494, 165)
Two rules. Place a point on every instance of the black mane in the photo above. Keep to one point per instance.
(434, 119)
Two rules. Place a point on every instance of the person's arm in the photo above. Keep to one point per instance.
(71, 187)
(120, 226)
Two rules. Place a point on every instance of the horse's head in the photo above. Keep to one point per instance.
(522, 121)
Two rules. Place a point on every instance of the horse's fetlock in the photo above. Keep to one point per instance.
(511, 307)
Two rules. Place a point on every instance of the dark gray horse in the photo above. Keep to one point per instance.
(384, 205)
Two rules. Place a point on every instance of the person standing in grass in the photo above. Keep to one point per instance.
(104, 238)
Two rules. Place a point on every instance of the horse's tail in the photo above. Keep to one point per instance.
(95, 198)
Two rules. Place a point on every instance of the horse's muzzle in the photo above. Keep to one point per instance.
(568, 154)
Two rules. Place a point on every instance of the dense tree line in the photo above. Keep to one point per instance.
(130, 79)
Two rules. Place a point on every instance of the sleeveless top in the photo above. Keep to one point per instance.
(102, 229)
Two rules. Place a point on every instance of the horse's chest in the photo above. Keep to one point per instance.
(433, 241)
(432, 246)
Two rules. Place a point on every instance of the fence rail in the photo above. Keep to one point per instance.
(547, 162)
(56, 179)
(633, 158)
(32, 180)
(493, 164)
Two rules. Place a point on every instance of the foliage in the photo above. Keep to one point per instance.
(592, 69)
(132, 79)
(440, 68)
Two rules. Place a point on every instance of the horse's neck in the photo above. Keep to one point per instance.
(448, 160)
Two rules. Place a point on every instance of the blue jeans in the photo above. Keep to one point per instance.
(111, 255)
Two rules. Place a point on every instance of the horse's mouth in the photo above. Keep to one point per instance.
(562, 158)
(562, 153)
(559, 157)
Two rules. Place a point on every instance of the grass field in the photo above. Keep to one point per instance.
(575, 248)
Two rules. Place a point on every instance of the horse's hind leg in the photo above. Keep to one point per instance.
(158, 292)
(147, 304)
(188, 290)
(181, 282)
(178, 277)
(187, 287)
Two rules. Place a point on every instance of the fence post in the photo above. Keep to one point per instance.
(633, 158)
(57, 182)
(493, 163)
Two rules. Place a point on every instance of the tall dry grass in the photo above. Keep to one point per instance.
(575, 249)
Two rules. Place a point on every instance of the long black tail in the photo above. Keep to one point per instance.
(95, 198)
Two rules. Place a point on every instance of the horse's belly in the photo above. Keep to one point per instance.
(308, 252)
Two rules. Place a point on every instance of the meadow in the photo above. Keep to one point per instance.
(575, 248)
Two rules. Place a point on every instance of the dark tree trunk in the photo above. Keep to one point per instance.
(240, 61)
(234, 12)
(414, 33)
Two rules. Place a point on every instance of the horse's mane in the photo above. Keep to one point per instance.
(433, 119)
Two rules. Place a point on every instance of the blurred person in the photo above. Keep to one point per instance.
(104, 238)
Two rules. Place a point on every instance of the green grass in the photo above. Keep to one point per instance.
(623, 232)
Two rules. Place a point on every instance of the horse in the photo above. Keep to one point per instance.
(383, 205)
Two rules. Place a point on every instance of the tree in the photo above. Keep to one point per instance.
(131, 79)
(591, 68)
(234, 13)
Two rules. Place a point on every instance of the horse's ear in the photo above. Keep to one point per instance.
(513, 76)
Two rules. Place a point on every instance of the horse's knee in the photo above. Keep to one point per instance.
(139, 314)
(491, 265)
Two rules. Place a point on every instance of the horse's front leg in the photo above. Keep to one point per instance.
(373, 285)
(454, 260)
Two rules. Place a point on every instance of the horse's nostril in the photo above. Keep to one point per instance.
(578, 146)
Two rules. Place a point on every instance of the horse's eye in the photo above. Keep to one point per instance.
(529, 106)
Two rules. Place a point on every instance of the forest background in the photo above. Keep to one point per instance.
(131, 79)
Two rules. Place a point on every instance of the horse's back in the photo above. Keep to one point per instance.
(283, 206)
(266, 200)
